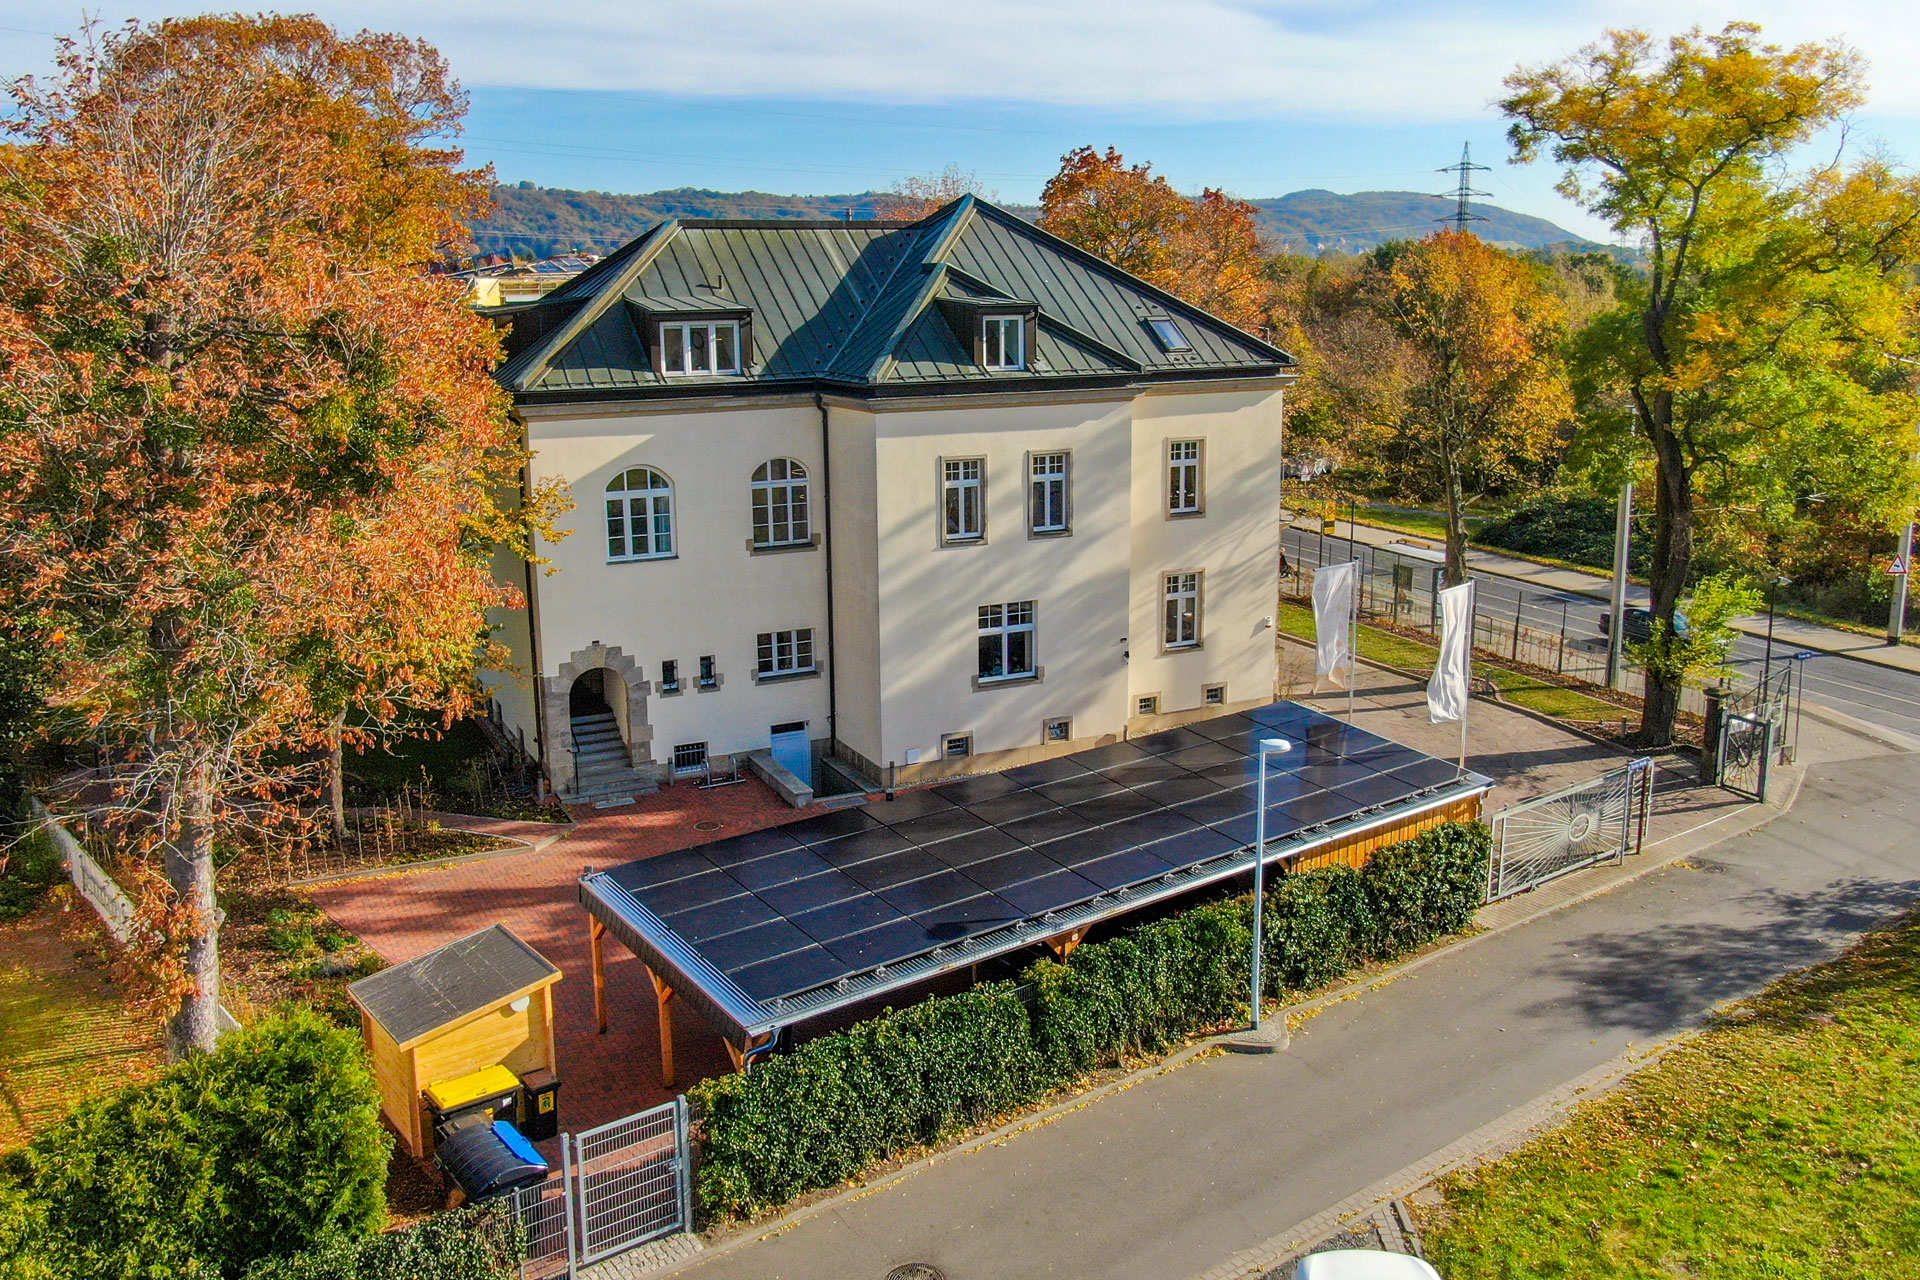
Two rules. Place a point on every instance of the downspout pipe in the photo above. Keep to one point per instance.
(833, 648)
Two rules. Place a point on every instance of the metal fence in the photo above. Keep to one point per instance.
(1600, 820)
(546, 1222)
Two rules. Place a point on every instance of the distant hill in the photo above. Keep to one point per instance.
(540, 222)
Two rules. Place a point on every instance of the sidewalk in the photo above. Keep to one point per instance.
(1790, 633)
(1191, 1169)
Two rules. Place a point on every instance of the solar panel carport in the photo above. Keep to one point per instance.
(765, 930)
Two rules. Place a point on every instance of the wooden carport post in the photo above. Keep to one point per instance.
(1062, 944)
(663, 997)
(596, 933)
(739, 1055)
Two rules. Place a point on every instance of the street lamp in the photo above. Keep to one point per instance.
(1266, 747)
(1766, 663)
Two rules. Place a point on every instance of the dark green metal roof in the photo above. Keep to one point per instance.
(858, 306)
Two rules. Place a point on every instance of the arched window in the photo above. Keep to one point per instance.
(639, 515)
(780, 515)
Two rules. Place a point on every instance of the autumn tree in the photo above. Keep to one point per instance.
(1751, 359)
(249, 451)
(1203, 249)
(922, 194)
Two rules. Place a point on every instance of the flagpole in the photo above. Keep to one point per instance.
(1353, 637)
(1473, 603)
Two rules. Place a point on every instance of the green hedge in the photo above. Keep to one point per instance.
(271, 1144)
(479, 1242)
(824, 1112)
(1576, 529)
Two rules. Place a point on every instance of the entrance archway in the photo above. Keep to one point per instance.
(597, 691)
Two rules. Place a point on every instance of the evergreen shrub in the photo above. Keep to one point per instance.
(821, 1114)
(270, 1144)
(478, 1242)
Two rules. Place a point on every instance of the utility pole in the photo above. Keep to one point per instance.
(1617, 608)
(1463, 194)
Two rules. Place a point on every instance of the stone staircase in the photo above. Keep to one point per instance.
(602, 771)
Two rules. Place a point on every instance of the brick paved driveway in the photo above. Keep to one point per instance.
(405, 914)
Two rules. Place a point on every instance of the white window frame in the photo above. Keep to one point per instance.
(1185, 496)
(681, 333)
(686, 750)
(1180, 609)
(1002, 622)
(1049, 492)
(786, 653)
(781, 507)
(650, 498)
(1003, 343)
(963, 486)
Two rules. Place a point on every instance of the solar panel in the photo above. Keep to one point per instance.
(793, 909)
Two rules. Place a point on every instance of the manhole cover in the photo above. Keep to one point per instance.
(706, 824)
(916, 1271)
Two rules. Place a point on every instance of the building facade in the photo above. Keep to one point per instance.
(919, 498)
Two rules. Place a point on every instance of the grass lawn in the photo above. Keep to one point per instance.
(1517, 687)
(1422, 524)
(1781, 1143)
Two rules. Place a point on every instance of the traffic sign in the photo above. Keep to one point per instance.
(1898, 569)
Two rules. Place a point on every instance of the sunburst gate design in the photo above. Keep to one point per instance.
(1589, 822)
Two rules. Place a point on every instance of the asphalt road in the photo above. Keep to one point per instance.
(1877, 694)
(1163, 1181)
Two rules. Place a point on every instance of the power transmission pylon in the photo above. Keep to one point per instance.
(1462, 196)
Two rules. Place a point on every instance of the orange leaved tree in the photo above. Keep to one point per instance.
(1203, 249)
(250, 452)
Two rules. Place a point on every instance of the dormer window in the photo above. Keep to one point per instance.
(1003, 342)
(1168, 335)
(691, 348)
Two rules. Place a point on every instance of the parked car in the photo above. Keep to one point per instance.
(1637, 623)
(1363, 1264)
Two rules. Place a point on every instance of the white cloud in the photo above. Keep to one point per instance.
(1384, 60)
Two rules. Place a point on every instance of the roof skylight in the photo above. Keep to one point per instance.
(1168, 334)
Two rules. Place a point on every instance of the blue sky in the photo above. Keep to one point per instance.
(837, 96)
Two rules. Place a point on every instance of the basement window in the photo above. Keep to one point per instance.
(690, 757)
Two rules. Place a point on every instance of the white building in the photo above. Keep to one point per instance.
(923, 498)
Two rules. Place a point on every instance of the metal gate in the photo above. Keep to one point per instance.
(631, 1181)
(1745, 755)
(1601, 820)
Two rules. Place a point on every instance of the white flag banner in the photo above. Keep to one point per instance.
(1332, 614)
(1447, 691)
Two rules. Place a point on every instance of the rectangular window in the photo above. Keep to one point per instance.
(963, 496)
(690, 757)
(1006, 640)
(786, 653)
(1183, 477)
(709, 672)
(701, 346)
(955, 746)
(1147, 706)
(1182, 592)
(780, 516)
(670, 676)
(1213, 695)
(1003, 342)
(1047, 504)
(1060, 730)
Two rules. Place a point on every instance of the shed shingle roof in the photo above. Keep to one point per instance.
(467, 976)
(854, 306)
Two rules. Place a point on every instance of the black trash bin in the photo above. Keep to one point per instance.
(488, 1158)
(539, 1104)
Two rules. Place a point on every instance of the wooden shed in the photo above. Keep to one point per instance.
(481, 1001)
